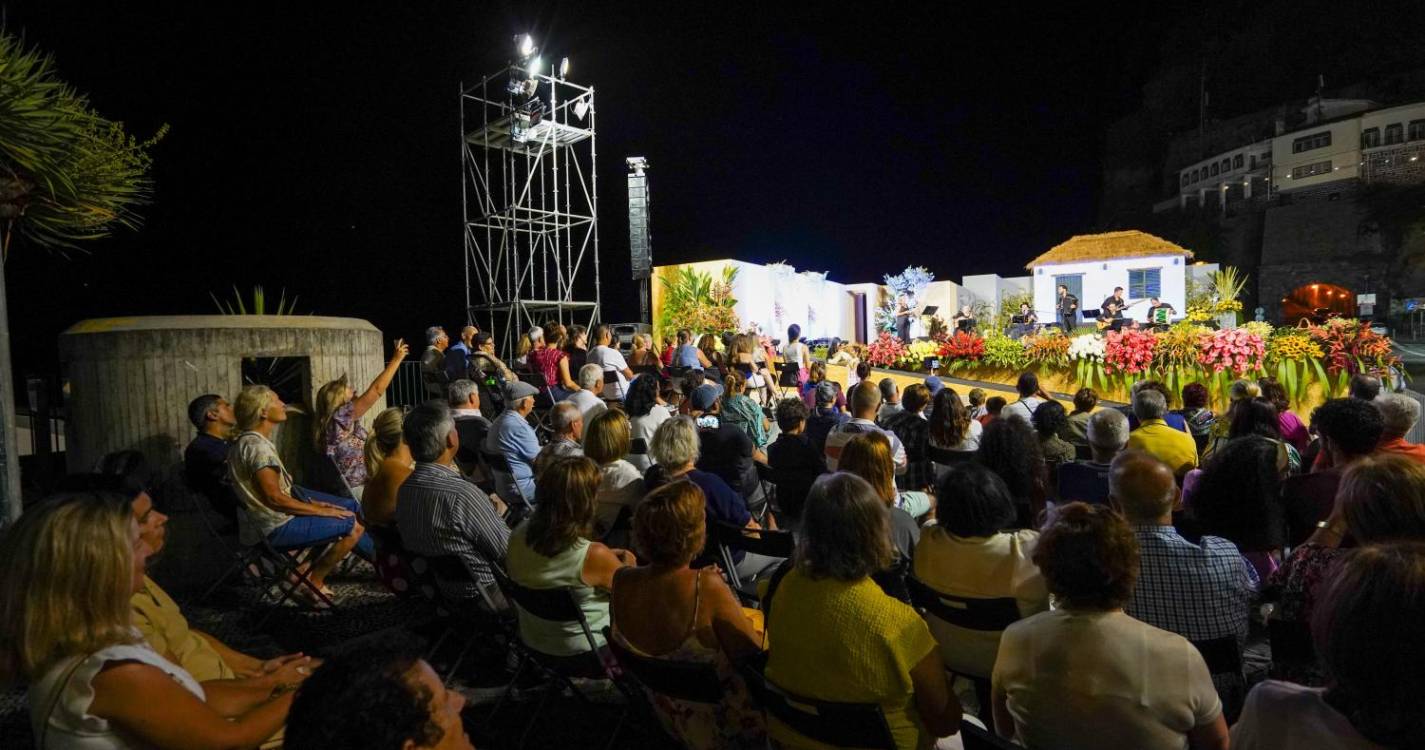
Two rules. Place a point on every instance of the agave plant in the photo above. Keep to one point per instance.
(238, 306)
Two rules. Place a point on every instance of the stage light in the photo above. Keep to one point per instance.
(564, 68)
(526, 46)
(534, 66)
(581, 108)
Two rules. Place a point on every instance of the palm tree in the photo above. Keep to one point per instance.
(67, 175)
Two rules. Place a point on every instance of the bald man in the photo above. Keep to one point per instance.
(457, 357)
(1200, 591)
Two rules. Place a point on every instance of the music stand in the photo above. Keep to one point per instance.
(930, 310)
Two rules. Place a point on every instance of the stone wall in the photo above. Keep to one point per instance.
(129, 380)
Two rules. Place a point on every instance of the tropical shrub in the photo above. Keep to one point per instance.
(1004, 352)
(885, 351)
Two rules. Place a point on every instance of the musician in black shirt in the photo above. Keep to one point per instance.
(1068, 306)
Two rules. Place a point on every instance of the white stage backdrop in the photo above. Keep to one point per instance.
(778, 295)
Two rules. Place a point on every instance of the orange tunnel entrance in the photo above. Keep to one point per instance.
(1317, 301)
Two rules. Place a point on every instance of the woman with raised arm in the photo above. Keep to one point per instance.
(337, 430)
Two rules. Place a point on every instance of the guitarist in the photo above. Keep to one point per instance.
(1111, 311)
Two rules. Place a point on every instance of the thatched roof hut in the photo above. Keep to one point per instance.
(1109, 246)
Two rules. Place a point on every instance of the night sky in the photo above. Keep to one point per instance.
(313, 146)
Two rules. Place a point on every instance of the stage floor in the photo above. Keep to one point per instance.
(841, 374)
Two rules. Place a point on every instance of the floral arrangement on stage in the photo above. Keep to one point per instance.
(912, 281)
(1326, 355)
(695, 300)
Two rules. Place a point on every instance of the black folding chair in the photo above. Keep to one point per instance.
(324, 476)
(556, 605)
(692, 682)
(975, 737)
(638, 447)
(1292, 646)
(767, 480)
(483, 616)
(497, 467)
(947, 457)
(731, 538)
(788, 374)
(1224, 662)
(646, 370)
(985, 615)
(859, 725)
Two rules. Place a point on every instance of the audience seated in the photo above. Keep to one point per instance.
(1049, 420)
(951, 427)
(380, 696)
(890, 403)
(834, 635)
(993, 406)
(913, 429)
(675, 448)
(974, 552)
(975, 399)
(587, 398)
(470, 422)
(666, 609)
(620, 483)
(69, 570)
(1367, 633)
(1200, 590)
(1288, 424)
(1363, 387)
(1238, 498)
(869, 456)
(205, 460)
(433, 374)
(1087, 481)
(576, 345)
(1010, 449)
(825, 414)
(687, 355)
(439, 513)
(1173, 419)
(707, 348)
(864, 404)
(1197, 414)
(512, 437)
(608, 358)
(796, 462)
(1030, 397)
(1240, 390)
(1350, 430)
(816, 375)
(551, 550)
(642, 354)
(646, 410)
(566, 422)
(725, 449)
(549, 359)
(1086, 675)
(1381, 499)
(270, 510)
(388, 464)
(1174, 447)
(1257, 416)
(1076, 430)
(1398, 413)
(742, 412)
(457, 357)
(484, 363)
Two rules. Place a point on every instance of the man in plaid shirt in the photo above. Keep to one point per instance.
(1201, 591)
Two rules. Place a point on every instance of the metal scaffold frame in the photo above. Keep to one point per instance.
(529, 188)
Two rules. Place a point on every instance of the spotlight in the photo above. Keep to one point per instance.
(534, 66)
(581, 108)
(564, 68)
(526, 46)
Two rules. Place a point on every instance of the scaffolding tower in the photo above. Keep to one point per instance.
(530, 194)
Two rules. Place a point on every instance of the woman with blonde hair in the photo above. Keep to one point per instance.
(388, 463)
(606, 443)
(337, 430)
(642, 354)
(744, 349)
(68, 570)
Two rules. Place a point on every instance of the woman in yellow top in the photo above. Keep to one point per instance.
(834, 635)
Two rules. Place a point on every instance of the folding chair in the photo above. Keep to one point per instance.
(645, 369)
(611, 376)
(556, 605)
(987, 615)
(1224, 662)
(976, 737)
(693, 682)
(324, 476)
(767, 479)
(484, 616)
(860, 725)
(1292, 646)
(497, 467)
(730, 538)
(638, 447)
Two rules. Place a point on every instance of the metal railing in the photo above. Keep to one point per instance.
(407, 388)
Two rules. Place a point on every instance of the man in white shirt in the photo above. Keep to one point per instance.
(591, 384)
(1030, 397)
(608, 358)
(865, 402)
